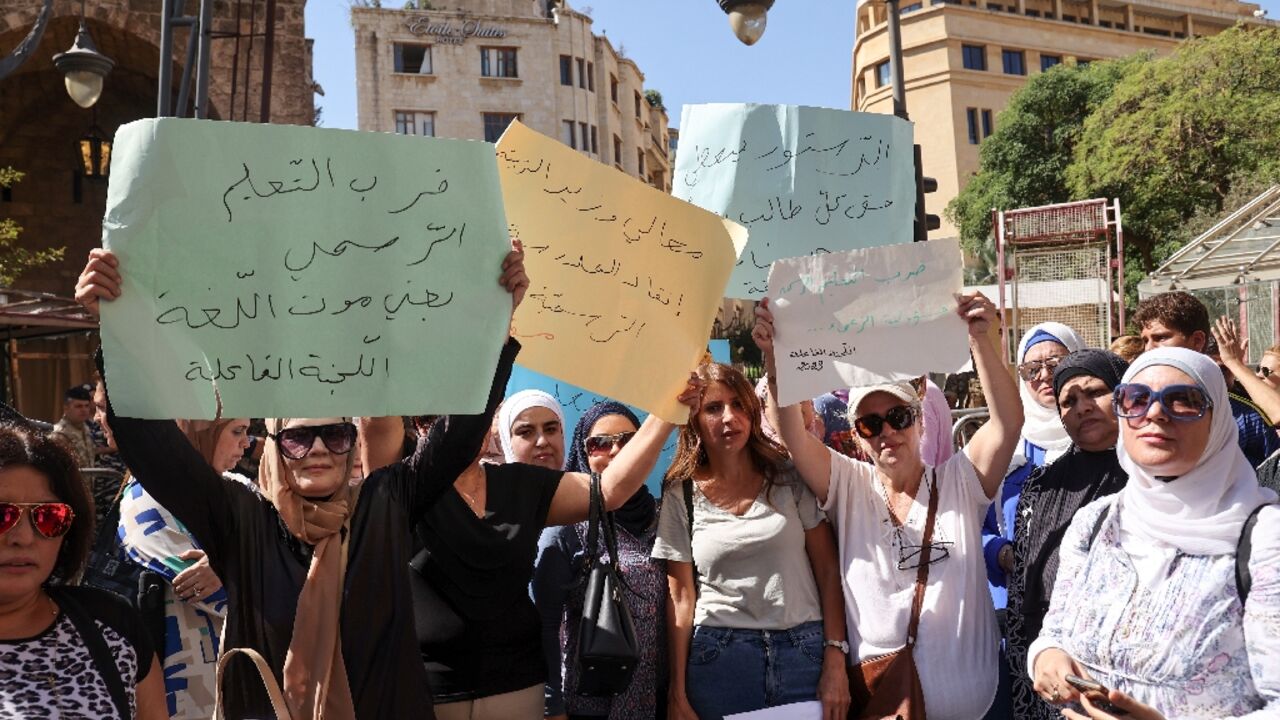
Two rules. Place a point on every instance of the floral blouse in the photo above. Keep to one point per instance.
(1182, 642)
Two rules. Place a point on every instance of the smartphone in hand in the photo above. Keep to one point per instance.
(1097, 694)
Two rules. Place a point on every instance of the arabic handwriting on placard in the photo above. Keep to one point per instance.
(831, 149)
(260, 368)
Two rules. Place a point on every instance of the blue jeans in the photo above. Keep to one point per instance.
(733, 671)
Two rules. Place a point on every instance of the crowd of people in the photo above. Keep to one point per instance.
(1105, 545)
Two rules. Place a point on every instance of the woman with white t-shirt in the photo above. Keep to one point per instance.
(879, 512)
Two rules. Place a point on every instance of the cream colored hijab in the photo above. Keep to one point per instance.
(315, 677)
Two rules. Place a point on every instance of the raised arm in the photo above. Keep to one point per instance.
(991, 448)
(809, 454)
(625, 474)
(1232, 350)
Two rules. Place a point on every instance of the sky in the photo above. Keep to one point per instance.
(684, 48)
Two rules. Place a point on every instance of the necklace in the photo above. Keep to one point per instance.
(474, 501)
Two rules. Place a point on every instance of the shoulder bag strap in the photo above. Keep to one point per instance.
(688, 514)
(922, 573)
(103, 660)
(268, 680)
(591, 553)
(1244, 549)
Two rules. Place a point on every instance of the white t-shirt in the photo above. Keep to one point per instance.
(754, 570)
(956, 651)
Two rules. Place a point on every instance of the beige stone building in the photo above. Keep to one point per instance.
(466, 72)
(963, 59)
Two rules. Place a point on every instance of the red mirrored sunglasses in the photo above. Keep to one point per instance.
(50, 519)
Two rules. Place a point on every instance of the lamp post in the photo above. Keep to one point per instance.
(747, 18)
(14, 60)
(84, 67)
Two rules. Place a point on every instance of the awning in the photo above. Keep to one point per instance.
(27, 314)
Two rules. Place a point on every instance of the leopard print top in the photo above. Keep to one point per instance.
(52, 675)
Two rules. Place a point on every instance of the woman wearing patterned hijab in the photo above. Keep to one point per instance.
(1082, 383)
(559, 589)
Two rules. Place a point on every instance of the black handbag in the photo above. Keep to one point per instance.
(607, 649)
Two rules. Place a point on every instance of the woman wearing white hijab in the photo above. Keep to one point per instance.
(1043, 440)
(531, 428)
(1155, 598)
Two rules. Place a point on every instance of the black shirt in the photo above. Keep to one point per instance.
(488, 640)
(263, 567)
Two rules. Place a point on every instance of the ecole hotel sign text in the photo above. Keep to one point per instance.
(451, 32)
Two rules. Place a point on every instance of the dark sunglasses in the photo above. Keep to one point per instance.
(1264, 371)
(51, 519)
(296, 442)
(1180, 402)
(1031, 370)
(899, 418)
(600, 444)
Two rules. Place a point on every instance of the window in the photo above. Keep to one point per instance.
(995, 6)
(591, 77)
(617, 151)
(582, 130)
(975, 56)
(613, 89)
(639, 116)
(882, 74)
(1081, 62)
(971, 115)
(640, 161)
(1106, 23)
(566, 70)
(409, 122)
(498, 62)
(1048, 61)
(566, 135)
(595, 147)
(1015, 62)
(413, 59)
(582, 74)
(910, 8)
(1069, 18)
(1033, 13)
(987, 125)
(495, 124)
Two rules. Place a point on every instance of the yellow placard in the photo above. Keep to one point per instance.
(625, 279)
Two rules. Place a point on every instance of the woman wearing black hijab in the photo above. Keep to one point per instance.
(1082, 386)
(558, 589)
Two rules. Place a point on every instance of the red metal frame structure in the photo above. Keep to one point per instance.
(1028, 231)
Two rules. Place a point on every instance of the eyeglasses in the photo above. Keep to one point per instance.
(1264, 372)
(899, 418)
(296, 442)
(601, 444)
(1031, 370)
(1180, 402)
(909, 556)
(52, 519)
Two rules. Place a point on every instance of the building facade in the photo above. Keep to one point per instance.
(962, 60)
(467, 72)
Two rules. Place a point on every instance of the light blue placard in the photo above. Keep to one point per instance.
(802, 180)
(720, 351)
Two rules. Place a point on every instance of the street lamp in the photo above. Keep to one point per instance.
(84, 67)
(747, 18)
(95, 154)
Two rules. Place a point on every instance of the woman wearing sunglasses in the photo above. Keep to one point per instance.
(754, 617)
(1168, 592)
(195, 604)
(882, 514)
(1083, 383)
(305, 554)
(559, 589)
(71, 652)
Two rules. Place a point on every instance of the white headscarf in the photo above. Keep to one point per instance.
(1042, 425)
(517, 404)
(1203, 511)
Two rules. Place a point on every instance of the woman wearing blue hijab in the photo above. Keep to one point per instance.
(558, 589)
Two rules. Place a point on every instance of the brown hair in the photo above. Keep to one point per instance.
(22, 445)
(1128, 347)
(1178, 311)
(767, 456)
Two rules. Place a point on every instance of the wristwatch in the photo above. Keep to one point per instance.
(840, 645)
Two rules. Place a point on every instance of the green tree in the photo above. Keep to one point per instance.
(1024, 162)
(655, 99)
(15, 259)
(1176, 134)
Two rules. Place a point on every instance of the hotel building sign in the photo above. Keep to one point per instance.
(451, 32)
